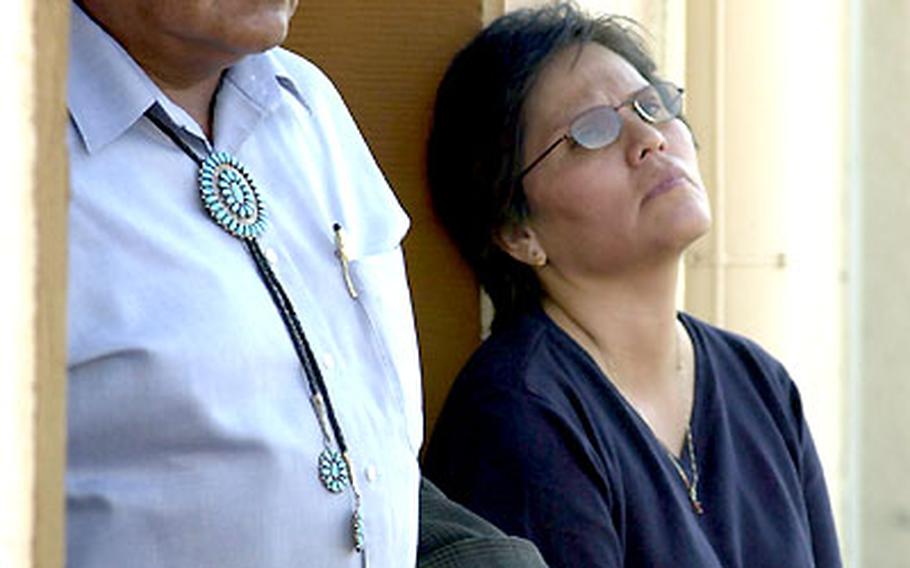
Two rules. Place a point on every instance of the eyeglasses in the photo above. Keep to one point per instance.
(600, 126)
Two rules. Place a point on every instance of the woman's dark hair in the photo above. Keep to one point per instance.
(475, 144)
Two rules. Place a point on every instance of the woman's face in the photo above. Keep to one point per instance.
(637, 201)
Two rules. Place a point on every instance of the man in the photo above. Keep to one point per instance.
(243, 374)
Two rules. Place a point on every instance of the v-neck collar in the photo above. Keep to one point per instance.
(643, 425)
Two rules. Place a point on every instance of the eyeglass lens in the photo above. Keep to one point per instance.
(600, 126)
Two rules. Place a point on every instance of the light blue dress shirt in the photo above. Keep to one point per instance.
(192, 441)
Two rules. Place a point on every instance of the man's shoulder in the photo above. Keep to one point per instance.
(307, 82)
(299, 70)
(294, 63)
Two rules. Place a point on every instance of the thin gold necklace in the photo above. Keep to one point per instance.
(690, 483)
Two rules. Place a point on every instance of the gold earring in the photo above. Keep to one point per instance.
(538, 258)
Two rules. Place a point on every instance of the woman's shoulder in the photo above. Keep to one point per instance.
(529, 355)
(748, 375)
(729, 348)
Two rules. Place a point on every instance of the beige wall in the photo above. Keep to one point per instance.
(32, 288)
(767, 85)
(17, 435)
(881, 302)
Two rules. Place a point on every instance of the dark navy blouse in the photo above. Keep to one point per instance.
(536, 439)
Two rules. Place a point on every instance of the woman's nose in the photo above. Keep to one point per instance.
(642, 139)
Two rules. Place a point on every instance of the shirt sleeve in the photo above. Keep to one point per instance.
(519, 462)
(453, 537)
(818, 507)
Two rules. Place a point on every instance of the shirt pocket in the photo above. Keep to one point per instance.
(382, 287)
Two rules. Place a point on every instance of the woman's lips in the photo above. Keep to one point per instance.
(675, 179)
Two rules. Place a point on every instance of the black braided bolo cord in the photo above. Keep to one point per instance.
(315, 380)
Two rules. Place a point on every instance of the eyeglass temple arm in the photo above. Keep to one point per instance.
(543, 155)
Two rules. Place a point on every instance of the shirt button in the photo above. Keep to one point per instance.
(328, 361)
(271, 256)
(370, 473)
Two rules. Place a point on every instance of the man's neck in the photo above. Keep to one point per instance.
(197, 99)
(188, 80)
(187, 73)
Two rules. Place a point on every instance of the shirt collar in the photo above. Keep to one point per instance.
(108, 91)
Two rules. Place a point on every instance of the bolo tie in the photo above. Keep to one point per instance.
(232, 200)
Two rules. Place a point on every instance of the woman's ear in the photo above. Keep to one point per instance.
(520, 242)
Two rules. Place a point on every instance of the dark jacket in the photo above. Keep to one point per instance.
(453, 537)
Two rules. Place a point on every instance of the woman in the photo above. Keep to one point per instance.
(596, 420)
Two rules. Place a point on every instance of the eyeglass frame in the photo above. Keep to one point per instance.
(633, 101)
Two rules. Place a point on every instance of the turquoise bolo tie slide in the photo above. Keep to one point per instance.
(333, 471)
(230, 197)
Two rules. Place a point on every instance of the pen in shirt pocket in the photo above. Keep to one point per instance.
(343, 259)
